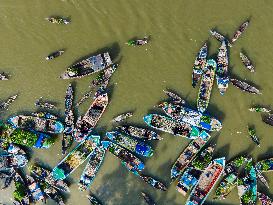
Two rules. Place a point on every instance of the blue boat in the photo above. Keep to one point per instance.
(131, 144)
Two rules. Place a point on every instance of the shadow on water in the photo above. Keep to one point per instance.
(212, 108)
(266, 155)
(164, 170)
(113, 49)
(222, 151)
(247, 151)
(125, 192)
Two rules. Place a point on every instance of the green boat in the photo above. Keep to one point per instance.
(74, 159)
(265, 165)
(188, 154)
(230, 178)
(253, 136)
(130, 143)
(206, 86)
(247, 185)
(169, 125)
(193, 172)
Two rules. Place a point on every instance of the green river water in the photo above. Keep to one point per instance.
(177, 29)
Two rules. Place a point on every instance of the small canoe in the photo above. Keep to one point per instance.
(84, 98)
(147, 199)
(253, 136)
(4, 76)
(58, 20)
(259, 109)
(240, 31)
(193, 172)
(206, 86)
(122, 117)
(130, 143)
(245, 86)
(265, 165)
(130, 161)
(220, 37)
(104, 76)
(36, 123)
(188, 155)
(88, 66)
(199, 65)
(181, 113)
(247, 62)
(55, 54)
(167, 124)
(138, 42)
(91, 169)
(34, 188)
(139, 133)
(74, 159)
(174, 97)
(206, 182)
(85, 124)
(153, 182)
(44, 104)
(222, 69)
(5, 104)
(262, 178)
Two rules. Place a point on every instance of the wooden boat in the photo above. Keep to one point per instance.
(247, 185)
(43, 104)
(262, 178)
(188, 154)
(138, 42)
(259, 109)
(264, 199)
(91, 169)
(131, 144)
(174, 97)
(247, 62)
(222, 69)
(105, 75)
(4, 76)
(6, 178)
(268, 119)
(184, 114)
(122, 117)
(193, 172)
(220, 37)
(5, 104)
(55, 54)
(8, 161)
(84, 98)
(58, 20)
(166, 124)
(206, 86)
(36, 123)
(153, 182)
(253, 136)
(88, 66)
(239, 32)
(199, 64)
(69, 119)
(265, 165)
(101, 89)
(139, 133)
(20, 194)
(34, 188)
(93, 200)
(230, 178)
(206, 182)
(245, 86)
(74, 159)
(86, 123)
(46, 175)
(130, 161)
(147, 199)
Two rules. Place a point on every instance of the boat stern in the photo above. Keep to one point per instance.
(13, 121)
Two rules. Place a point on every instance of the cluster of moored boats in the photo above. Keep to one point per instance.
(195, 172)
